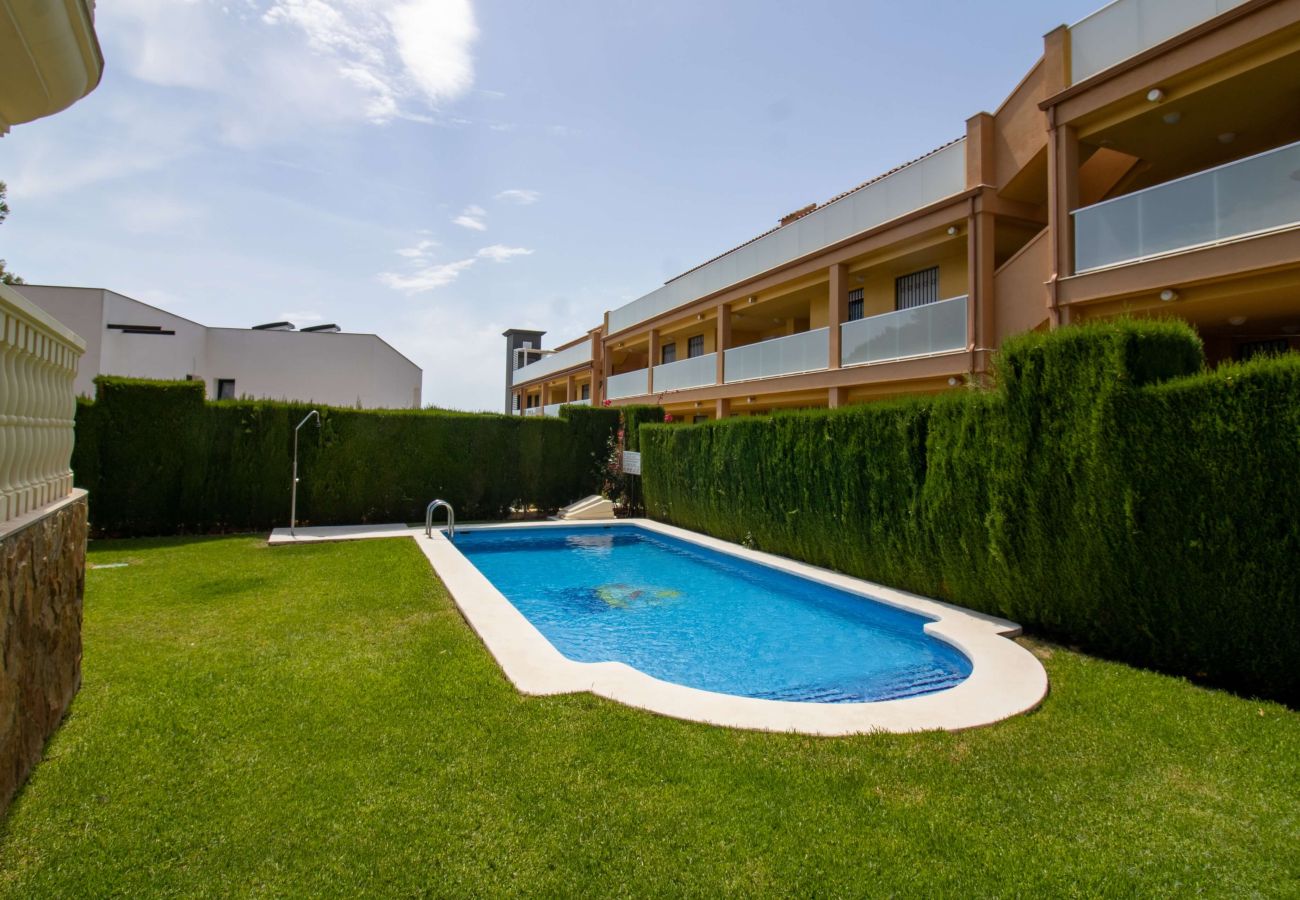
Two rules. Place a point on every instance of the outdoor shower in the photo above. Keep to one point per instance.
(293, 501)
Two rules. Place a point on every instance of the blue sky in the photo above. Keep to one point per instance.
(436, 171)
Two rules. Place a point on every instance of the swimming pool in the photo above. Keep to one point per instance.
(693, 616)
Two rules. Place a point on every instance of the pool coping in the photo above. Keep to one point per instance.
(1006, 679)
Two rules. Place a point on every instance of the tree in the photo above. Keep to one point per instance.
(6, 277)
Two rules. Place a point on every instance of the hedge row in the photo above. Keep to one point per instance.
(1108, 492)
(158, 459)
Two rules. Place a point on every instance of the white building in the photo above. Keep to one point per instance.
(321, 365)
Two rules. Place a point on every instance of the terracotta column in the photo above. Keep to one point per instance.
(724, 341)
(836, 397)
(1062, 198)
(652, 361)
(837, 311)
(722, 408)
(570, 389)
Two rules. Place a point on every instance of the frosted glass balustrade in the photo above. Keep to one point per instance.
(806, 352)
(922, 331)
(1259, 193)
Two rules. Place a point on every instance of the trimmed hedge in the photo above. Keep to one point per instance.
(158, 459)
(1108, 492)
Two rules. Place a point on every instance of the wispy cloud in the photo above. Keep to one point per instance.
(301, 315)
(419, 251)
(471, 217)
(426, 278)
(501, 253)
(521, 196)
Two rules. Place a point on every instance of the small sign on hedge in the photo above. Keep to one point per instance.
(631, 462)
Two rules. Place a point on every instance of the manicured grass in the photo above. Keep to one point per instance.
(320, 721)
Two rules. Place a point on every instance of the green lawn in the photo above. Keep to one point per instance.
(320, 720)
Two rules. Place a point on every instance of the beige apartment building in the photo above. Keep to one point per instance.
(1148, 164)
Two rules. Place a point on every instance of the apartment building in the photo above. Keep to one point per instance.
(1148, 164)
(273, 361)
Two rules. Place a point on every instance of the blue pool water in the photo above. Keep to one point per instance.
(686, 614)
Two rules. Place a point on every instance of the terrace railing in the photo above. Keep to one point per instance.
(921, 331)
(1252, 195)
(626, 384)
(806, 352)
(38, 363)
(555, 362)
(1125, 28)
(697, 371)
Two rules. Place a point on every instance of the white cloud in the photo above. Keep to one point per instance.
(419, 251)
(427, 278)
(501, 253)
(521, 196)
(471, 217)
(434, 38)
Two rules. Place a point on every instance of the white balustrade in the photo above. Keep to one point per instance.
(626, 384)
(38, 362)
(920, 331)
(696, 371)
(1125, 28)
(1252, 195)
(805, 352)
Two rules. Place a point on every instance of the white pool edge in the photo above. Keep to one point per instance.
(1006, 679)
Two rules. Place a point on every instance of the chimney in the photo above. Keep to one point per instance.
(797, 214)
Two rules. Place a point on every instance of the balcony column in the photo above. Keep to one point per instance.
(722, 408)
(652, 358)
(980, 306)
(723, 342)
(570, 388)
(837, 311)
(1062, 198)
(836, 397)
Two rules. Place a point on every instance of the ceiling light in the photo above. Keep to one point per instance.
(952, 230)
(1227, 137)
(752, 299)
(699, 317)
(953, 382)
(1173, 117)
(1155, 95)
(1168, 295)
(1236, 320)
(749, 399)
(859, 278)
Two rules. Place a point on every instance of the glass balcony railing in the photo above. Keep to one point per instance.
(1125, 28)
(922, 331)
(1259, 193)
(626, 384)
(533, 411)
(686, 373)
(806, 352)
(554, 362)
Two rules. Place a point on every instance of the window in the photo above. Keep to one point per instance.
(695, 346)
(667, 354)
(917, 289)
(225, 389)
(855, 305)
(698, 419)
(586, 392)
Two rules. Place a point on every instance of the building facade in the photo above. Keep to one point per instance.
(126, 337)
(1148, 165)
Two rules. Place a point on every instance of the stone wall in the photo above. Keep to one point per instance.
(42, 583)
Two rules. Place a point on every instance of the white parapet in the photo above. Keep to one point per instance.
(38, 362)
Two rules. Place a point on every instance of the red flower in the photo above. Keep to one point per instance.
(668, 417)
(607, 402)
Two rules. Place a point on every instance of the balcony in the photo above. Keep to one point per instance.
(1253, 195)
(626, 384)
(926, 181)
(806, 352)
(697, 371)
(555, 362)
(1126, 28)
(923, 331)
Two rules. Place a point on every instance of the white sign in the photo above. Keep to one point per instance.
(631, 463)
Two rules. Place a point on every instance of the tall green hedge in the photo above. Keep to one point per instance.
(158, 459)
(1109, 492)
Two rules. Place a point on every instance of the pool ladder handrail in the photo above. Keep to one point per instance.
(451, 518)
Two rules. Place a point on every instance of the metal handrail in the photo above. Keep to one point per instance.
(451, 519)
